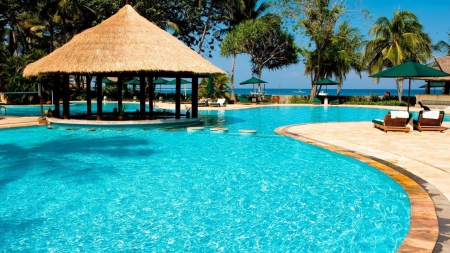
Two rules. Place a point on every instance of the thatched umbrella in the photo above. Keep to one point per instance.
(124, 43)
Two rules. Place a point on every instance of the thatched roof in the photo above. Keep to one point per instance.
(124, 43)
(443, 65)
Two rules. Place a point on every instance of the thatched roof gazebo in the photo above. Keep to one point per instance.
(443, 65)
(125, 45)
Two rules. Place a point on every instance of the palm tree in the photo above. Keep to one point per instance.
(345, 53)
(394, 41)
(238, 16)
(442, 46)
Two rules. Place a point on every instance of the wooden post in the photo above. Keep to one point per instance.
(119, 90)
(88, 96)
(194, 94)
(178, 98)
(98, 82)
(142, 96)
(56, 94)
(151, 95)
(446, 88)
(66, 97)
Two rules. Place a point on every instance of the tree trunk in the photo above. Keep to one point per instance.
(399, 85)
(233, 62)
(205, 29)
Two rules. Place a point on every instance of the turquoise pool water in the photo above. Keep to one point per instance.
(178, 191)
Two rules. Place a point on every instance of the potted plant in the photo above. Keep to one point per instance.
(121, 111)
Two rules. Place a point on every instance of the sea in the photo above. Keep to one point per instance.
(306, 92)
(333, 92)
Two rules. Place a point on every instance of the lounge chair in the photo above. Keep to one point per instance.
(394, 121)
(429, 121)
(187, 100)
(203, 103)
(220, 102)
(334, 102)
(244, 100)
(316, 101)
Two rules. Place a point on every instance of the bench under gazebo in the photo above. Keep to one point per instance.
(126, 45)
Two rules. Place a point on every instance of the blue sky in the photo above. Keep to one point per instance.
(433, 14)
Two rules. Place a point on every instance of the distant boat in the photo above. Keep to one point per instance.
(323, 93)
(299, 91)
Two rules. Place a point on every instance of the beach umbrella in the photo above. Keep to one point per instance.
(433, 85)
(254, 80)
(133, 81)
(160, 81)
(409, 69)
(174, 81)
(326, 82)
(210, 86)
(107, 81)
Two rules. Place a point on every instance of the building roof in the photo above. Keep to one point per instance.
(125, 43)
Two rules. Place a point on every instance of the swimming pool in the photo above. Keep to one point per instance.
(173, 190)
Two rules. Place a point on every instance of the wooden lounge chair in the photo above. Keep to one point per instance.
(220, 102)
(316, 101)
(430, 121)
(393, 123)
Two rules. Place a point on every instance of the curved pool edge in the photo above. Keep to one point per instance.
(159, 123)
(424, 234)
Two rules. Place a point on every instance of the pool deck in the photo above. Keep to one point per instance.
(419, 161)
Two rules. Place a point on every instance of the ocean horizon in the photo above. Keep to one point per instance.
(333, 92)
(306, 92)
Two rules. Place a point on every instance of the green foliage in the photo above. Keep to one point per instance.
(268, 45)
(13, 81)
(220, 83)
(299, 100)
(110, 91)
(374, 99)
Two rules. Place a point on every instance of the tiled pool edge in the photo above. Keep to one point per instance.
(424, 234)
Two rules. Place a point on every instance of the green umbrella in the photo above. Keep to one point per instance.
(107, 81)
(433, 85)
(133, 81)
(210, 86)
(254, 80)
(174, 81)
(326, 81)
(409, 69)
(160, 81)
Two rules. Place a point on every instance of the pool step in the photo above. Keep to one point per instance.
(247, 131)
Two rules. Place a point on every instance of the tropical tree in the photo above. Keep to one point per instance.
(220, 83)
(238, 16)
(317, 20)
(394, 41)
(442, 46)
(268, 45)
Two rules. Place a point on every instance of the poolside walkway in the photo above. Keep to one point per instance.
(422, 156)
(16, 121)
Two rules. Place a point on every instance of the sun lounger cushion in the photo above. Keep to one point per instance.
(431, 114)
(399, 114)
